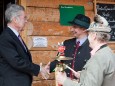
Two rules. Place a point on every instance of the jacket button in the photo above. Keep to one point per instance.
(85, 60)
(78, 52)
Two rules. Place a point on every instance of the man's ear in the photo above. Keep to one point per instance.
(95, 35)
(16, 19)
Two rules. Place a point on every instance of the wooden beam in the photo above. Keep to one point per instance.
(55, 3)
(105, 2)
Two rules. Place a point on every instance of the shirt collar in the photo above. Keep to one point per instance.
(97, 48)
(15, 32)
(81, 40)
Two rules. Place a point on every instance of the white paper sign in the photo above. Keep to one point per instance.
(40, 42)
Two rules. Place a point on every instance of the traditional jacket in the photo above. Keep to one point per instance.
(98, 71)
(82, 56)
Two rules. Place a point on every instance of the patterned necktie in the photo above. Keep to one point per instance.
(76, 49)
(22, 42)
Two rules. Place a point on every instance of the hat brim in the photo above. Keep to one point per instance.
(99, 29)
(73, 23)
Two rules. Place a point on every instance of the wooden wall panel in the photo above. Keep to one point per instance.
(112, 45)
(48, 14)
(40, 78)
(43, 56)
(43, 14)
(52, 42)
(48, 29)
(44, 83)
(90, 14)
(55, 3)
(106, 0)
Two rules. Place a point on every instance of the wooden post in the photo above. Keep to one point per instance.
(23, 3)
(95, 9)
(24, 33)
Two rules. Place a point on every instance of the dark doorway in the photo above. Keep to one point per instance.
(3, 5)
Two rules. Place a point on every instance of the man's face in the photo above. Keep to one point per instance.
(77, 31)
(21, 21)
(91, 38)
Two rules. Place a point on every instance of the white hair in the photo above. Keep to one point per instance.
(12, 11)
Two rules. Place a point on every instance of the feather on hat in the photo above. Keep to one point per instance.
(100, 24)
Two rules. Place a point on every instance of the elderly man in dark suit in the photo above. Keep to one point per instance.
(16, 66)
(100, 69)
(77, 47)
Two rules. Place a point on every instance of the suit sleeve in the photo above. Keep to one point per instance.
(11, 55)
(53, 65)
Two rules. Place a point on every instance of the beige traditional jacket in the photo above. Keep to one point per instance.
(98, 71)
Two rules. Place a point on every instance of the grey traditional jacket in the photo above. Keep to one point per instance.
(98, 71)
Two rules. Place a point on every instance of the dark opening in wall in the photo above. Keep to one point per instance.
(3, 5)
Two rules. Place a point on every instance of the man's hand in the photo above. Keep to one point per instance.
(44, 72)
(77, 74)
(60, 77)
(47, 68)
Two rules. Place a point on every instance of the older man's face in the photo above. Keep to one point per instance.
(20, 21)
(91, 38)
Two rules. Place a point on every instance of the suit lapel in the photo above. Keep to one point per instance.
(16, 38)
(8, 30)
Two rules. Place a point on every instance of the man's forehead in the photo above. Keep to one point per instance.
(76, 26)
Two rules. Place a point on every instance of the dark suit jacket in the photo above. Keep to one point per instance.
(16, 67)
(83, 54)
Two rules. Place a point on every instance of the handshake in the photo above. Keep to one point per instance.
(44, 70)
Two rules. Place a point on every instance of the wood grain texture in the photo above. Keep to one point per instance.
(51, 45)
(43, 56)
(44, 83)
(88, 4)
(48, 29)
(47, 14)
(42, 14)
(112, 45)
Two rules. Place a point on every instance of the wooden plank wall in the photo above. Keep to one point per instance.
(43, 21)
